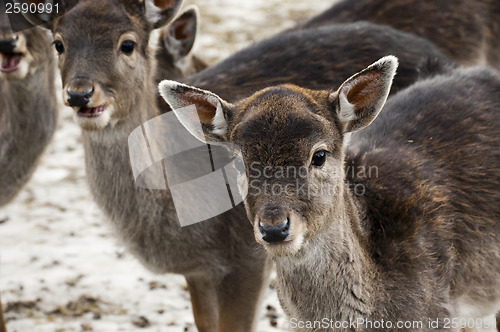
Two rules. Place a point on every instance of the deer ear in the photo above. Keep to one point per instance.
(360, 99)
(43, 18)
(181, 34)
(203, 113)
(161, 12)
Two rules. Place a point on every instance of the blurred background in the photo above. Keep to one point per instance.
(61, 269)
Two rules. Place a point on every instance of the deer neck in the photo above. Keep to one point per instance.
(333, 276)
(108, 164)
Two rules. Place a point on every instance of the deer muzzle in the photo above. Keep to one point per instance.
(8, 45)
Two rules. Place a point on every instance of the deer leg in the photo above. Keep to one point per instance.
(204, 302)
(3, 327)
(239, 296)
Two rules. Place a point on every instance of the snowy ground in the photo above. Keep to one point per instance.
(61, 268)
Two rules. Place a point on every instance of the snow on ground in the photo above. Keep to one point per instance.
(61, 268)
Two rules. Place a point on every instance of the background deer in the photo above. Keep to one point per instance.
(467, 31)
(28, 105)
(176, 40)
(422, 239)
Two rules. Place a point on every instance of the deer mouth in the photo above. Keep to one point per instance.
(93, 112)
(10, 62)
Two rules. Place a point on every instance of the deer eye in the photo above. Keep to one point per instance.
(59, 46)
(319, 158)
(128, 47)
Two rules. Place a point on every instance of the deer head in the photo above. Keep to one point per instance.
(292, 144)
(106, 65)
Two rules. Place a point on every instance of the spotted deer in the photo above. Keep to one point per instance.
(417, 240)
(467, 31)
(28, 106)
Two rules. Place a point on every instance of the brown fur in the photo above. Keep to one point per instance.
(467, 31)
(406, 249)
(174, 56)
(28, 107)
(175, 45)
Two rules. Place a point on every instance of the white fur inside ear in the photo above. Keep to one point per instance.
(346, 113)
(153, 13)
(219, 123)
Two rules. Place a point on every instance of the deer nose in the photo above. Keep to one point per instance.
(79, 93)
(277, 233)
(8, 45)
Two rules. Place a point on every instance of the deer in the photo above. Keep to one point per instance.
(28, 102)
(417, 241)
(108, 76)
(465, 30)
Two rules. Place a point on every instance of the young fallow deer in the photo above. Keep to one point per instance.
(28, 104)
(467, 31)
(415, 240)
(108, 78)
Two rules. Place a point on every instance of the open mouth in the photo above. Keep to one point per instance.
(10, 62)
(284, 248)
(93, 112)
